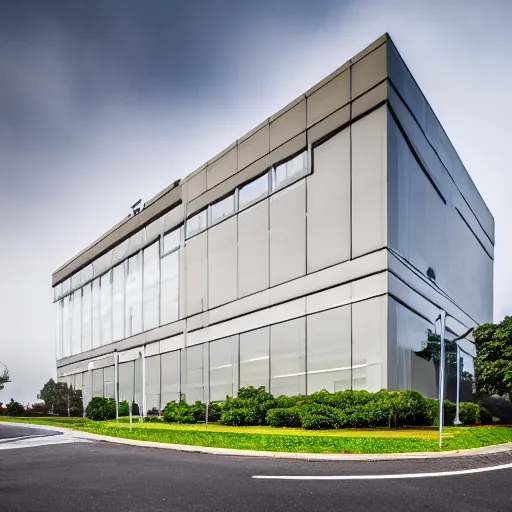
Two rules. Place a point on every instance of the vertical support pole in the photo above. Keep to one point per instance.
(116, 382)
(143, 354)
(457, 403)
(442, 363)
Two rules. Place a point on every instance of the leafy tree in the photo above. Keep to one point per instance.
(14, 408)
(4, 376)
(61, 399)
(493, 364)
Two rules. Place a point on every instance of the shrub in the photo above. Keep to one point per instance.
(14, 408)
(321, 417)
(312, 421)
(240, 417)
(432, 412)
(214, 411)
(181, 412)
(124, 408)
(255, 400)
(152, 419)
(283, 417)
(38, 409)
(469, 413)
(101, 409)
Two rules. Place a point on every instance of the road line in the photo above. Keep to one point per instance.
(386, 477)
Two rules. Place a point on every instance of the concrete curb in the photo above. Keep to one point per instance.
(487, 450)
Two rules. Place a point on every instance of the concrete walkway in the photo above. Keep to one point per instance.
(86, 436)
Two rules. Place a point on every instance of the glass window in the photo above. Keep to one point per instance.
(106, 308)
(169, 293)
(76, 280)
(151, 299)
(172, 240)
(126, 381)
(133, 314)
(87, 317)
(57, 291)
(253, 191)
(59, 307)
(254, 358)
(289, 171)
(467, 375)
(196, 223)
(117, 303)
(288, 358)
(87, 273)
(66, 286)
(197, 373)
(223, 368)
(329, 353)
(97, 382)
(137, 241)
(120, 251)
(222, 208)
(96, 314)
(153, 383)
(78, 381)
(102, 263)
(108, 382)
(76, 323)
(66, 325)
(154, 230)
(137, 387)
(171, 377)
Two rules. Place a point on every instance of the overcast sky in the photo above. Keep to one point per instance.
(103, 102)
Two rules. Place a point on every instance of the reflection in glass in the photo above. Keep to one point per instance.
(222, 208)
(153, 383)
(59, 308)
(66, 325)
(96, 314)
(97, 382)
(118, 303)
(253, 191)
(151, 304)
(196, 388)
(290, 170)
(171, 377)
(196, 223)
(133, 313)
(169, 292)
(254, 358)
(76, 322)
(87, 317)
(223, 368)
(172, 240)
(106, 308)
(126, 381)
(108, 382)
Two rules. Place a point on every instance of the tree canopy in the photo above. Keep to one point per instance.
(493, 364)
(61, 399)
(4, 376)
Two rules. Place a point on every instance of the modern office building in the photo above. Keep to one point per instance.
(315, 252)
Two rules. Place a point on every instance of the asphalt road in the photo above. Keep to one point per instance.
(99, 476)
(12, 431)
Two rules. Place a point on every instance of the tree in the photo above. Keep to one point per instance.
(4, 376)
(61, 399)
(493, 364)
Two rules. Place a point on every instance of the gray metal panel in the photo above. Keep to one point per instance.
(329, 98)
(369, 71)
(369, 183)
(289, 124)
(222, 262)
(370, 99)
(253, 249)
(196, 185)
(196, 255)
(254, 147)
(288, 233)
(222, 168)
(328, 203)
(338, 118)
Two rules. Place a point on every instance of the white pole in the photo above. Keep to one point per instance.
(116, 380)
(442, 316)
(143, 354)
(457, 403)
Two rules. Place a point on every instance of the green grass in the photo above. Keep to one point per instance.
(289, 440)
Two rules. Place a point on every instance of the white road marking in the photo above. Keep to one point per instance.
(387, 477)
(32, 441)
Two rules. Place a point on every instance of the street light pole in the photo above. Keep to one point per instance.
(442, 317)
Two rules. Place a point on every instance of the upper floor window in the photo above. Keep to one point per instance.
(196, 223)
(172, 240)
(290, 170)
(253, 191)
(222, 208)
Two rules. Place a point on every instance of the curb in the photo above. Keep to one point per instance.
(472, 452)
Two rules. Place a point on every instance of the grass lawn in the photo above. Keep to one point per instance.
(289, 439)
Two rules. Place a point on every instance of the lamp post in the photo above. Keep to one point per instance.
(442, 318)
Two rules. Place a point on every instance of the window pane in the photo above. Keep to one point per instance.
(172, 240)
(153, 383)
(222, 208)
(126, 382)
(169, 293)
(108, 382)
(96, 314)
(197, 373)
(102, 263)
(254, 358)
(171, 377)
(66, 286)
(329, 352)
(57, 291)
(118, 303)
(290, 170)
(223, 368)
(97, 382)
(76, 280)
(288, 358)
(87, 273)
(87, 317)
(59, 308)
(133, 314)
(78, 382)
(196, 223)
(151, 287)
(106, 308)
(252, 191)
(76, 321)
(138, 383)
(66, 325)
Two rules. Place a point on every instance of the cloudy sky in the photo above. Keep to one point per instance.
(104, 102)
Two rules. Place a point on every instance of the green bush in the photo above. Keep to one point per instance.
(181, 412)
(432, 412)
(256, 402)
(14, 408)
(152, 419)
(469, 413)
(124, 408)
(283, 417)
(101, 409)
(239, 417)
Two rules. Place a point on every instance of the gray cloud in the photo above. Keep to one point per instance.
(105, 102)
